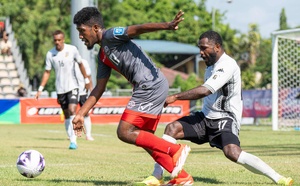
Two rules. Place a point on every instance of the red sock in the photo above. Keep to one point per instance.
(150, 141)
(164, 160)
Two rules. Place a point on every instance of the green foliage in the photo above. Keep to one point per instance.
(190, 83)
(283, 20)
(264, 62)
(248, 79)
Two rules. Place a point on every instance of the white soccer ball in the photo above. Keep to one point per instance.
(31, 163)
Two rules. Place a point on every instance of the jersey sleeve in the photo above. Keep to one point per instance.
(116, 36)
(48, 65)
(219, 78)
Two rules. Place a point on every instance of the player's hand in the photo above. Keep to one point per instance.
(178, 18)
(78, 125)
(170, 99)
(88, 86)
(37, 95)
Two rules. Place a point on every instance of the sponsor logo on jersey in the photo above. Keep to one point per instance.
(220, 70)
(144, 107)
(43, 111)
(130, 104)
(119, 31)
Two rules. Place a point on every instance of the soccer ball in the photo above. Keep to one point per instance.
(31, 163)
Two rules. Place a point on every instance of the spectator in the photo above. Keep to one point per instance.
(21, 92)
(5, 45)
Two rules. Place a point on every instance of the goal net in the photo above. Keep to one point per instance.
(286, 79)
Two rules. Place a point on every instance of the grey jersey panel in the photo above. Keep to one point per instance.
(122, 54)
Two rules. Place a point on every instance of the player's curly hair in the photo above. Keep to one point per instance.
(88, 16)
(212, 36)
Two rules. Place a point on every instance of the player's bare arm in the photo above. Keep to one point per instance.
(135, 30)
(45, 78)
(192, 94)
(91, 101)
(86, 79)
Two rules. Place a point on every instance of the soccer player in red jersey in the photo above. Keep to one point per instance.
(150, 87)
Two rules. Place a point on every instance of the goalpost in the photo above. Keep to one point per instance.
(286, 79)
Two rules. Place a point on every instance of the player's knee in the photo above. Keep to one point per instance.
(126, 135)
(172, 129)
(232, 152)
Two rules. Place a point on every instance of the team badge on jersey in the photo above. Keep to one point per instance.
(119, 30)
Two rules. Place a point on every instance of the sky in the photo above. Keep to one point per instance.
(265, 13)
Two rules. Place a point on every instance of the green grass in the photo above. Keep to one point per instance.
(108, 161)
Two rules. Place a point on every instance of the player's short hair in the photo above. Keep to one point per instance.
(89, 16)
(212, 36)
(57, 32)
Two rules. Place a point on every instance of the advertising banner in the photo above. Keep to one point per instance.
(257, 103)
(106, 111)
(9, 111)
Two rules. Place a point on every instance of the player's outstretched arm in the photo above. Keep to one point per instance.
(135, 30)
(45, 78)
(90, 102)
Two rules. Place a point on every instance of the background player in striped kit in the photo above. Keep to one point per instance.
(218, 123)
(62, 59)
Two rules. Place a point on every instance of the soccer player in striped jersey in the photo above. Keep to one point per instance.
(150, 87)
(218, 123)
(62, 58)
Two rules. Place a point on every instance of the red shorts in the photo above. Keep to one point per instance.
(141, 120)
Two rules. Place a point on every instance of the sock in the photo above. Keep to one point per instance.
(164, 160)
(71, 131)
(158, 169)
(150, 141)
(88, 126)
(257, 166)
(67, 124)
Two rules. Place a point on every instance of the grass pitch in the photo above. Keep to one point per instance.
(108, 161)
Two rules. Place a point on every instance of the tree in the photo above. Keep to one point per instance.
(254, 42)
(283, 20)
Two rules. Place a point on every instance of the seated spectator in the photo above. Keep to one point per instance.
(21, 92)
(5, 45)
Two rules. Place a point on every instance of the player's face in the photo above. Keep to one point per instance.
(59, 41)
(88, 35)
(207, 51)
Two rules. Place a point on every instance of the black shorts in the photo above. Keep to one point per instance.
(68, 98)
(218, 132)
(82, 99)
